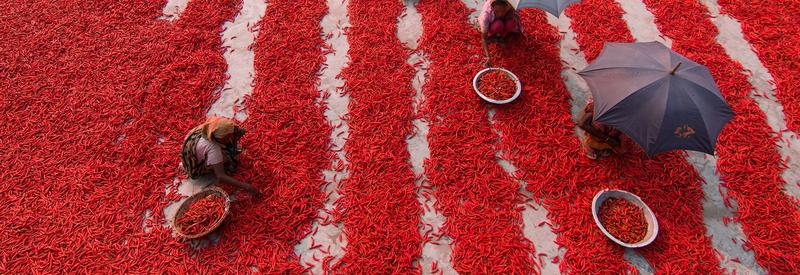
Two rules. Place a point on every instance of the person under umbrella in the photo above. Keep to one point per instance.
(498, 20)
(660, 99)
(600, 140)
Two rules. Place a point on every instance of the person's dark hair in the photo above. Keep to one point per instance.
(500, 3)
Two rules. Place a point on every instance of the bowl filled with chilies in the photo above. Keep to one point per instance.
(624, 218)
(497, 85)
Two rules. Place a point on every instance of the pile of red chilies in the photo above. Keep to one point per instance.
(586, 18)
(201, 215)
(473, 192)
(379, 207)
(497, 85)
(287, 140)
(623, 219)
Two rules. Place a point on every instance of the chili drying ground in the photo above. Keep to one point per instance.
(766, 213)
(478, 198)
(98, 96)
(623, 219)
(497, 85)
(379, 206)
(538, 135)
(771, 27)
(200, 215)
(600, 21)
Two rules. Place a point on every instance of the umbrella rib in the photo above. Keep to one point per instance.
(663, 118)
(711, 89)
(621, 67)
(703, 118)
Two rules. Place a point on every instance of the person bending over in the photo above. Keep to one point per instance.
(212, 147)
(600, 140)
(498, 20)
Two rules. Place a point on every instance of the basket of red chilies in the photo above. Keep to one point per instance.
(497, 85)
(624, 218)
(201, 213)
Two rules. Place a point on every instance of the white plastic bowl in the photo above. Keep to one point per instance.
(652, 223)
(494, 101)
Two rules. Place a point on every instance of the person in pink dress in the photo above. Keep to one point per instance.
(498, 20)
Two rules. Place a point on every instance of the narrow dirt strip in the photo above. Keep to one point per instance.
(237, 42)
(327, 241)
(437, 246)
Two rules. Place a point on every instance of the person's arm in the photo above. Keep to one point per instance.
(585, 123)
(619, 148)
(615, 137)
(219, 171)
(585, 119)
(613, 141)
(485, 44)
(483, 27)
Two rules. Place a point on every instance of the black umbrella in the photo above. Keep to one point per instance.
(659, 98)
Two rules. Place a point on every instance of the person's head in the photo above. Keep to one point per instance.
(224, 138)
(501, 7)
(220, 130)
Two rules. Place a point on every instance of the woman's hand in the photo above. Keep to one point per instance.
(219, 171)
(253, 191)
(614, 142)
(485, 45)
(620, 149)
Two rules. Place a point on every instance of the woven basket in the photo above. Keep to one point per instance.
(185, 205)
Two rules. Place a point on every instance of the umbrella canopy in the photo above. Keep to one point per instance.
(554, 7)
(659, 98)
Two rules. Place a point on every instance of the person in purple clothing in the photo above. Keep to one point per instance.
(498, 20)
